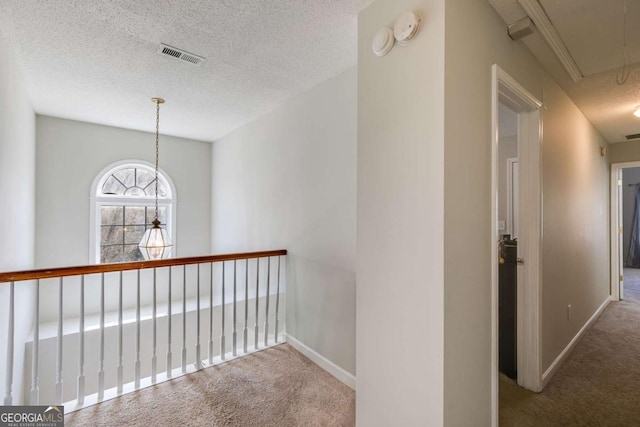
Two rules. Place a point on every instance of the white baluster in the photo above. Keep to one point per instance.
(277, 302)
(246, 306)
(120, 349)
(266, 315)
(222, 343)
(184, 319)
(59, 383)
(211, 315)
(101, 361)
(81, 349)
(198, 362)
(154, 356)
(8, 398)
(256, 329)
(35, 380)
(136, 378)
(235, 333)
(169, 356)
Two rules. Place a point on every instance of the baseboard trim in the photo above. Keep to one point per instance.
(549, 373)
(346, 377)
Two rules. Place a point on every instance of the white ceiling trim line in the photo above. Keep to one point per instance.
(550, 34)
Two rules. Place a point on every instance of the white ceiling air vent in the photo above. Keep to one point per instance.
(180, 54)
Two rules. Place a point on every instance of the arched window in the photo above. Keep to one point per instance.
(123, 207)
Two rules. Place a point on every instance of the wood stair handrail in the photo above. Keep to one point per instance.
(48, 273)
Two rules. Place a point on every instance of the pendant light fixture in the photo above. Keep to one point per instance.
(155, 243)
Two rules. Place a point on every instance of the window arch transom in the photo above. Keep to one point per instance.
(134, 181)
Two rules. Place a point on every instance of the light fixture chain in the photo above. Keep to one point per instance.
(157, 151)
(625, 70)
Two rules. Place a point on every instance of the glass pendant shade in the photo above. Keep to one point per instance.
(155, 243)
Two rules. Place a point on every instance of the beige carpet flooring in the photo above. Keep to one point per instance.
(274, 387)
(632, 284)
(599, 385)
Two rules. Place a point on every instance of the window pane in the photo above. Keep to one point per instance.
(132, 253)
(111, 235)
(133, 234)
(111, 215)
(111, 254)
(127, 177)
(162, 215)
(135, 192)
(134, 215)
(112, 186)
(162, 190)
(144, 178)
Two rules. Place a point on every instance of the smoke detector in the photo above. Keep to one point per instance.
(383, 42)
(180, 54)
(407, 26)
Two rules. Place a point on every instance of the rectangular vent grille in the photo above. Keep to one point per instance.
(180, 54)
(634, 136)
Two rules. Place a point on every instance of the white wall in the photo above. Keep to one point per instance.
(400, 221)
(288, 181)
(575, 263)
(575, 251)
(17, 206)
(71, 154)
(629, 176)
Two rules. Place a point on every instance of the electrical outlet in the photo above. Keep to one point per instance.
(569, 312)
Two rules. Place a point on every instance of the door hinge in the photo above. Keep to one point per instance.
(621, 277)
(619, 230)
(619, 183)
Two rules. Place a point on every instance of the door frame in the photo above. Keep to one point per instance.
(616, 228)
(508, 91)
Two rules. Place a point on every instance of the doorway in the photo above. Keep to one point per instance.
(625, 231)
(521, 223)
(508, 221)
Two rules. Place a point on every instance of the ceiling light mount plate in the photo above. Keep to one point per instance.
(407, 27)
(157, 100)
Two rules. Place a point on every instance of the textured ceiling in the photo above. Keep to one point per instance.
(592, 32)
(97, 61)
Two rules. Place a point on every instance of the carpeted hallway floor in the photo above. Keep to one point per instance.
(599, 385)
(275, 387)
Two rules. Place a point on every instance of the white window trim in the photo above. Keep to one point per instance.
(97, 201)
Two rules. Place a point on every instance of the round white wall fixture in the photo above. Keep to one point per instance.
(383, 42)
(407, 26)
